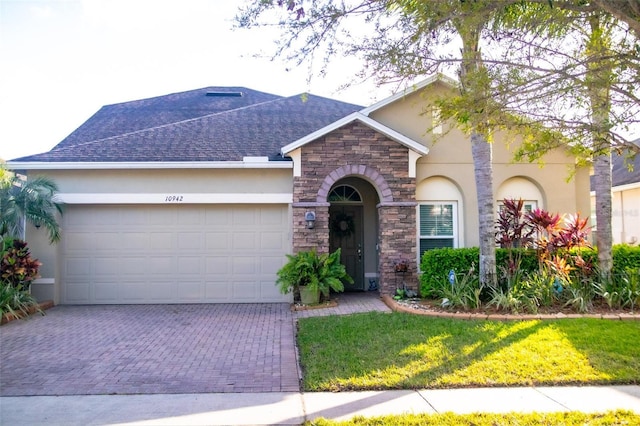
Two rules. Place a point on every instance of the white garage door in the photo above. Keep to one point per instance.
(173, 253)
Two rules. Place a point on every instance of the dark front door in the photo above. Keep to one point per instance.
(345, 223)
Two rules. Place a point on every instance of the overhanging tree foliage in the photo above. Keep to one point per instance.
(539, 73)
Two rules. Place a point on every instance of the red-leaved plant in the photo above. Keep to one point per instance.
(17, 267)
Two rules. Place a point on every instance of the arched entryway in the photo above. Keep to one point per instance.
(353, 227)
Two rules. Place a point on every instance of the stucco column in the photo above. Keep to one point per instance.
(397, 241)
(316, 238)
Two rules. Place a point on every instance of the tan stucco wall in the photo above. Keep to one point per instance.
(450, 157)
(171, 181)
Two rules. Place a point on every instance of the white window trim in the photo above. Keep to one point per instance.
(454, 213)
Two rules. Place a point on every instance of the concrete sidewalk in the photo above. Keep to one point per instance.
(293, 408)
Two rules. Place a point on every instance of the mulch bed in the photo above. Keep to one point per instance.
(433, 308)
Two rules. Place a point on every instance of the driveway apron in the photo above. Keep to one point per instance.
(150, 349)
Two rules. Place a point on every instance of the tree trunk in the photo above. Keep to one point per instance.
(473, 86)
(604, 236)
(598, 85)
(482, 163)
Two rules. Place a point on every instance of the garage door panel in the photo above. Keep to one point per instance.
(272, 241)
(190, 291)
(244, 241)
(77, 241)
(173, 253)
(218, 217)
(244, 290)
(243, 265)
(162, 217)
(190, 240)
(218, 240)
(76, 292)
(78, 267)
(189, 266)
(193, 218)
(269, 265)
(161, 291)
(133, 266)
(133, 292)
(273, 216)
(106, 292)
(217, 265)
(269, 292)
(161, 265)
(106, 266)
(131, 240)
(163, 241)
(245, 217)
(217, 291)
(106, 241)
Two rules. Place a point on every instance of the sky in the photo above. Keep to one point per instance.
(61, 60)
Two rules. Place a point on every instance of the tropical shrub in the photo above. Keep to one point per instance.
(17, 267)
(545, 260)
(30, 199)
(462, 292)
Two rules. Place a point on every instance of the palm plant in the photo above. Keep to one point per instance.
(30, 200)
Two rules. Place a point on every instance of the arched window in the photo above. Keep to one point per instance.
(344, 194)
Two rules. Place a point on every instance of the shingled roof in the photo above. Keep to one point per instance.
(208, 124)
(620, 173)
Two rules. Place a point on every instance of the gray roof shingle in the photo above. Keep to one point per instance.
(620, 173)
(192, 126)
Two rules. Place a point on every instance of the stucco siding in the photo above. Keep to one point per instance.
(172, 181)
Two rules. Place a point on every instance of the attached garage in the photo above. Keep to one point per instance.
(175, 253)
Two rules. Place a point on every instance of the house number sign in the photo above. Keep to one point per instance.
(173, 198)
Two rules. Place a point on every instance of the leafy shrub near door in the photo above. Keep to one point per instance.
(320, 272)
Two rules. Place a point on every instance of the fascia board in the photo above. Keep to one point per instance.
(625, 187)
(387, 131)
(72, 165)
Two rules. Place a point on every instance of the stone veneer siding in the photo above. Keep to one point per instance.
(357, 150)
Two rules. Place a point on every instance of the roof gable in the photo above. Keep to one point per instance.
(357, 116)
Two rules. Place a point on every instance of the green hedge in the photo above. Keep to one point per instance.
(436, 264)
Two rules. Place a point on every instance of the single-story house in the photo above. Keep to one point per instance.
(625, 201)
(196, 197)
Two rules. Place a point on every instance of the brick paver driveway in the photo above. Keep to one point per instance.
(150, 349)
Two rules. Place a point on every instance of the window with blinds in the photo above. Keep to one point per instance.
(438, 225)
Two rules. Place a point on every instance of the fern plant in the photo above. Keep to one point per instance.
(320, 272)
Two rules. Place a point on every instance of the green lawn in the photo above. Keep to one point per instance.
(403, 351)
(512, 419)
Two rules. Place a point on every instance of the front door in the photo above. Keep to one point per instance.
(345, 232)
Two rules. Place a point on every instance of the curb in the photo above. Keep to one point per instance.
(396, 307)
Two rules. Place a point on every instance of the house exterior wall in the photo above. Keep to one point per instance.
(625, 214)
(162, 181)
(358, 151)
(450, 157)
